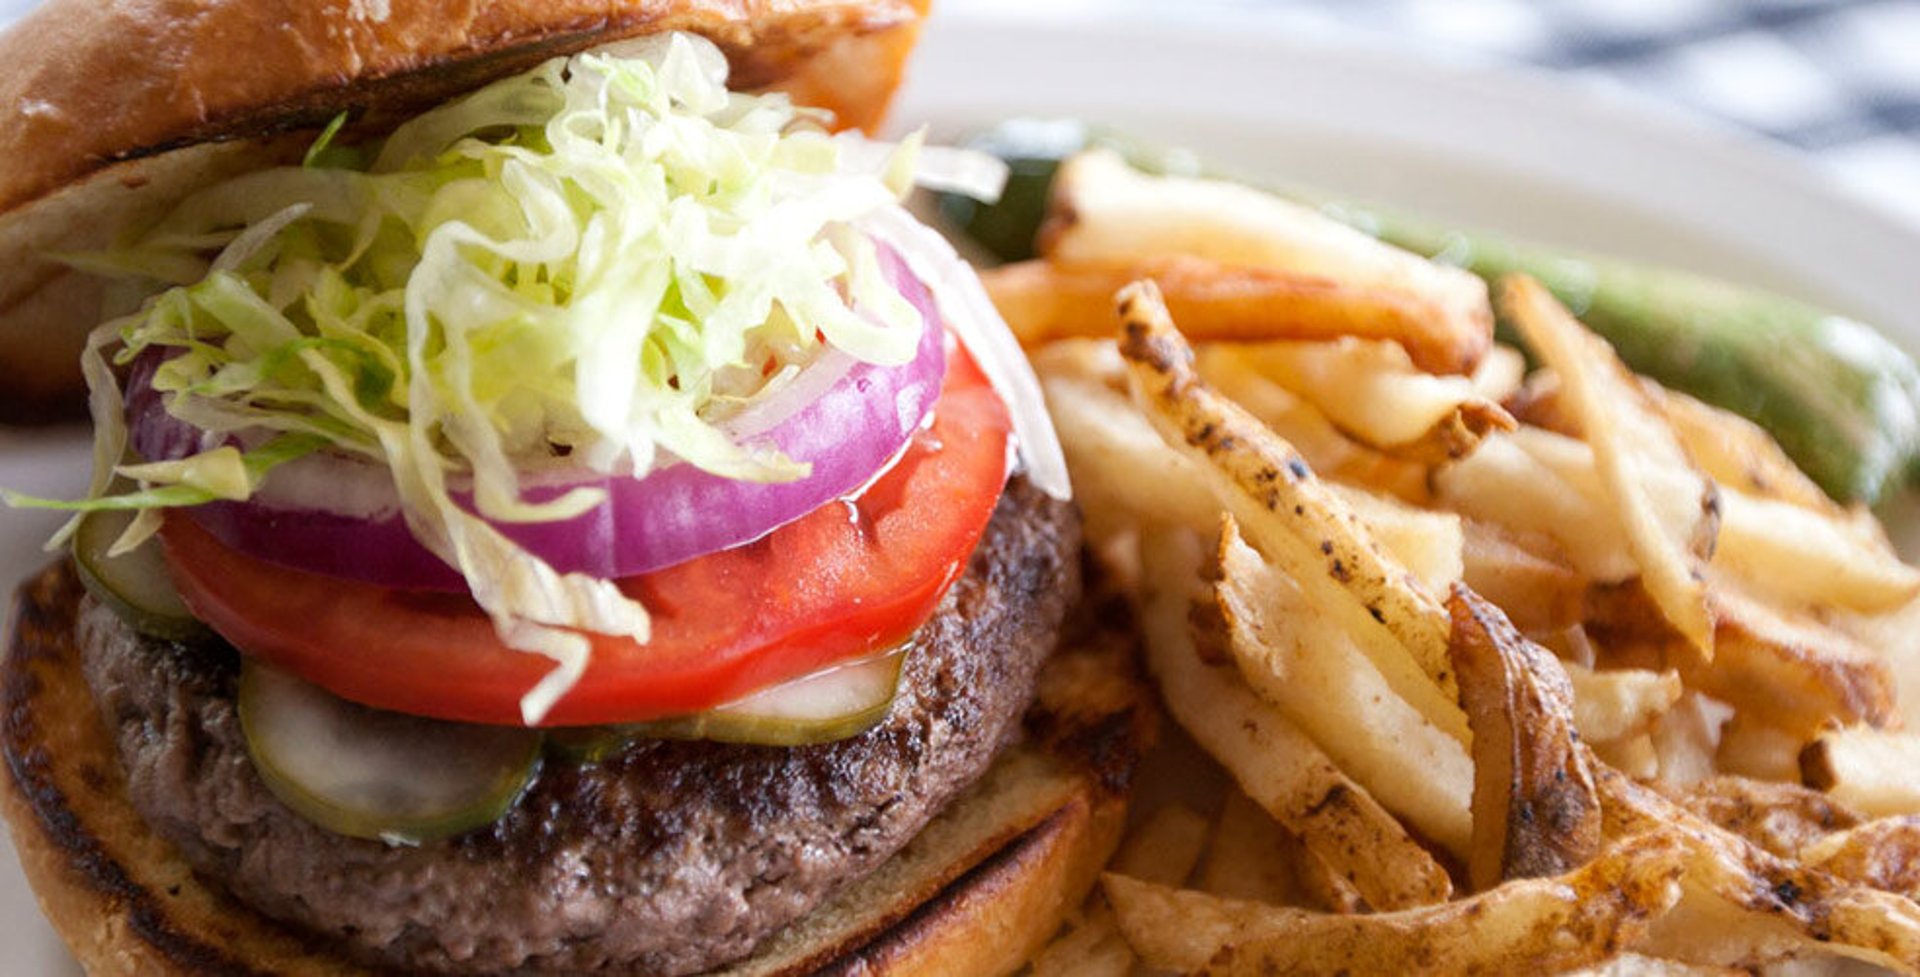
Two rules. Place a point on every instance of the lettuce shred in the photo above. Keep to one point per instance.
(587, 266)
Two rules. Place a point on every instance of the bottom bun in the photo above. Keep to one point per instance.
(976, 892)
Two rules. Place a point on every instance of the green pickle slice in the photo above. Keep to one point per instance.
(367, 773)
(835, 704)
(136, 584)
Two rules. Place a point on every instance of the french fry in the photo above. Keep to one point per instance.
(1738, 453)
(1633, 756)
(1092, 948)
(1252, 857)
(1876, 771)
(1376, 395)
(1753, 747)
(1284, 510)
(1686, 737)
(1781, 819)
(1536, 812)
(1802, 674)
(1323, 446)
(1431, 545)
(1295, 659)
(1121, 468)
(1500, 374)
(1635, 965)
(1044, 301)
(1094, 360)
(1741, 905)
(1105, 212)
(1539, 590)
(1630, 440)
(1617, 703)
(1794, 553)
(1883, 854)
(1803, 555)
(1535, 925)
(1165, 847)
(1276, 763)
(1503, 483)
(1895, 635)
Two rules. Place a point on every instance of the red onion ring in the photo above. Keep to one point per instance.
(849, 433)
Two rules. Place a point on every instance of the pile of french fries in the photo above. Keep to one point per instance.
(1510, 672)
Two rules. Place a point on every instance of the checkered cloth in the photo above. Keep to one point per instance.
(1837, 78)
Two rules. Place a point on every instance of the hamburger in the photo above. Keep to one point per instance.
(554, 510)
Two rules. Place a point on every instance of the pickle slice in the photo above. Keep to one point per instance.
(135, 585)
(835, 704)
(367, 773)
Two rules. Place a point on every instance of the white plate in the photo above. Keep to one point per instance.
(1502, 149)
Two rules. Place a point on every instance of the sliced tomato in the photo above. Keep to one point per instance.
(844, 581)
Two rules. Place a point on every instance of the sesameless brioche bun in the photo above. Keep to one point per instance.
(976, 893)
(120, 107)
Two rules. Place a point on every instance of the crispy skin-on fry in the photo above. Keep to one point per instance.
(1611, 704)
(1284, 510)
(1310, 670)
(1276, 763)
(1104, 211)
(1047, 300)
(1534, 584)
(1742, 905)
(1780, 818)
(1531, 926)
(1376, 395)
(1876, 771)
(1535, 809)
(1883, 854)
(1630, 439)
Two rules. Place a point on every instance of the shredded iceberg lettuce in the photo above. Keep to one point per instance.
(592, 264)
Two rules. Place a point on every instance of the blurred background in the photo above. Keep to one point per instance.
(1837, 80)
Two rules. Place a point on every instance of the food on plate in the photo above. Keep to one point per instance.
(553, 512)
(1845, 405)
(1487, 708)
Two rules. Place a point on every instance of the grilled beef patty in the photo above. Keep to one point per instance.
(669, 858)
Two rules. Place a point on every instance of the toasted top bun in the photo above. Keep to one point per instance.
(122, 107)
